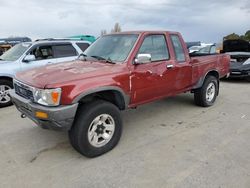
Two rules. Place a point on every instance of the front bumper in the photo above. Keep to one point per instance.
(59, 118)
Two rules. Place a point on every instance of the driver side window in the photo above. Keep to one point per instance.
(156, 46)
(42, 53)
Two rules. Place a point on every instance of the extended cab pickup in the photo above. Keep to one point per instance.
(118, 71)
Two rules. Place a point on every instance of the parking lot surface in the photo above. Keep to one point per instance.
(169, 143)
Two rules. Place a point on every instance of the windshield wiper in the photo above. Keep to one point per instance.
(110, 61)
(98, 57)
(102, 58)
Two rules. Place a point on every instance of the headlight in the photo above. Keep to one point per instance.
(48, 97)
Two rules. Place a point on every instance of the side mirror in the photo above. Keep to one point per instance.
(29, 58)
(143, 58)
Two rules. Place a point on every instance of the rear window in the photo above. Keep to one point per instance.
(178, 49)
(82, 46)
(64, 50)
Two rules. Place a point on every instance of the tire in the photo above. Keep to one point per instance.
(5, 99)
(201, 95)
(80, 135)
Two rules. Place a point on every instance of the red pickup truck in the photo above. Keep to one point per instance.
(116, 72)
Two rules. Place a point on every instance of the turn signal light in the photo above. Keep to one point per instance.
(42, 115)
(55, 97)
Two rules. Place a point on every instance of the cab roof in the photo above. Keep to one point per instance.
(144, 32)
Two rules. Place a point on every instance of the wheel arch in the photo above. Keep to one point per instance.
(214, 73)
(200, 82)
(112, 94)
(6, 78)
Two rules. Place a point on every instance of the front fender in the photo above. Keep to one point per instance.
(104, 88)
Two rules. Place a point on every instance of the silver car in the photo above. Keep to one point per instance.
(29, 55)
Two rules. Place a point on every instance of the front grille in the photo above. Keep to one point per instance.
(23, 91)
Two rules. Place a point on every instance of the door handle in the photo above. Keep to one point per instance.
(49, 62)
(170, 66)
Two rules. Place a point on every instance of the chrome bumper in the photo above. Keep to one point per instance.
(59, 118)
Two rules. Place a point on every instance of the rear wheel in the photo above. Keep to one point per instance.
(207, 94)
(97, 128)
(5, 87)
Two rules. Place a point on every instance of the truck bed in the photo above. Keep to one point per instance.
(202, 64)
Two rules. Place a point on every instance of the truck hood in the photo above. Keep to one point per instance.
(64, 72)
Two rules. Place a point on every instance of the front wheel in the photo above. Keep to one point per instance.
(207, 94)
(5, 87)
(97, 128)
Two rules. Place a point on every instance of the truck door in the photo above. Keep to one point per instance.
(182, 68)
(156, 78)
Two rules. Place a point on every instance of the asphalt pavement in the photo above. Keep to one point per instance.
(168, 143)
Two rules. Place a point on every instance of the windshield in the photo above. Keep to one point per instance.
(15, 52)
(112, 47)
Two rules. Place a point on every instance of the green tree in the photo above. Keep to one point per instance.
(232, 36)
(247, 35)
(243, 37)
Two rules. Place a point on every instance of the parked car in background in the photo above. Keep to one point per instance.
(29, 55)
(7, 43)
(209, 49)
(89, 38)
(193, 49)
(194, 43)
(4, 48)
(196, 46)
(239, 50)
(118, 71)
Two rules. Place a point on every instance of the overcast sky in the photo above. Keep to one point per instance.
(205, 20)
